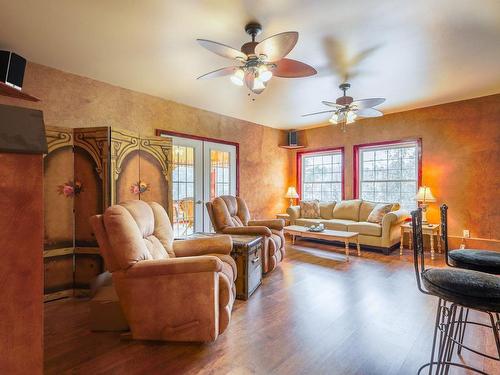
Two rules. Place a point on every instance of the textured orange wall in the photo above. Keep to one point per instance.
(68, 100)
(461, 159)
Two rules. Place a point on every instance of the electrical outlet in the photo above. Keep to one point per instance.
(466, 233)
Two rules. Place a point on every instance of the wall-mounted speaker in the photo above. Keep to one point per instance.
(12, 68)
(292, 138)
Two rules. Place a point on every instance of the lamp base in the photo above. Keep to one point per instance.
(423, 206)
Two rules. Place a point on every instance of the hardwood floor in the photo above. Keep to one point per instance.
(315, 314)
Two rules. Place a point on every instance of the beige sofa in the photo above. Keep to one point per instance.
(351, 216)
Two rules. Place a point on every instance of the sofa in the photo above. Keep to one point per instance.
(168, 290)
(351, 216)
(230, 215)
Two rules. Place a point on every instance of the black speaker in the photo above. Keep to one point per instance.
(292, 138)
(12, 68)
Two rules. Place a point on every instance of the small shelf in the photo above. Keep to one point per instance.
(7, 90)
(292, 147)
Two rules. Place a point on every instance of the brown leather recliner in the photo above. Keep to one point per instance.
(230, 215)
(169, 290)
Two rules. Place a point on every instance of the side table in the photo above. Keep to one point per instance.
(247, 253)
(427, 229)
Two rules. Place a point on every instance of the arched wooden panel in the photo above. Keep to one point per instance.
(58, 208)
(128, 177)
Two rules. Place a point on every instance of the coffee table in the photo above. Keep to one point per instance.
(327, 234)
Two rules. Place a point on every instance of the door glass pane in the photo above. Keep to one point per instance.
(183, 190)
(219, 173)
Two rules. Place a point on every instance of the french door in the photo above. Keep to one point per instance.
(202, 170)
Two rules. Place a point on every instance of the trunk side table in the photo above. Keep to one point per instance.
(247, 253)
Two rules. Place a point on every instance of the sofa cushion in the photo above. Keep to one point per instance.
(326, 210)
(367, 207)
(309, 209)
(347, 210)
(307, 222)
(337, 224)
(379, 212)
(366, 228)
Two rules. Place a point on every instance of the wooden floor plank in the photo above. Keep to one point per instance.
(315, 314)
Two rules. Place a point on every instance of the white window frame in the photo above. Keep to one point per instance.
(390, 146)
(309, 154)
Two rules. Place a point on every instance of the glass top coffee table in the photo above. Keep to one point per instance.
(327, 234)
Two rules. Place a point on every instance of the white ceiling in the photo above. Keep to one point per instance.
(414, 53)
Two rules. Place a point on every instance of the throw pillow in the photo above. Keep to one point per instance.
(379, 212)
(309, 209)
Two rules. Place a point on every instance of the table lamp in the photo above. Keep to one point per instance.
(423, 196)
(291, 194)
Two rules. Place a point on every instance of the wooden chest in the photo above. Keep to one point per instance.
(247, 252)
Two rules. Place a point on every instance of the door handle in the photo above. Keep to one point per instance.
(199, 202)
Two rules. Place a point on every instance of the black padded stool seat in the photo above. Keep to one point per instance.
(468, 288)
(479, 260)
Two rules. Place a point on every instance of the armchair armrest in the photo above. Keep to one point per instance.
(294, 212)
(277, 224)
(249, 230)
(174, 266)
(203, 246)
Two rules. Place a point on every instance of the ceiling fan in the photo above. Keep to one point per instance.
(346, 110)
(259, 61)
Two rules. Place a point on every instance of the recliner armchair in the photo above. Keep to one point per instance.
(230, 215)
(169, 290)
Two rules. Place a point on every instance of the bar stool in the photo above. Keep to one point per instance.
(457, 289)
(471, 259)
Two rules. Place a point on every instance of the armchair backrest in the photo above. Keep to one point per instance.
(133, 231)
(228, 211)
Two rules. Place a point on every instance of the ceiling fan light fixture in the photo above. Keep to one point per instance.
(351, 117)
(258, 84)
(237, 77)
(334, 119)
(264, 73)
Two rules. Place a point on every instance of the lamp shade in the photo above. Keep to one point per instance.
(425, 195)
(291, 193)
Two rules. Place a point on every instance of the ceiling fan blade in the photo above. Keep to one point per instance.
(331, 104)
(221, 49)
(368, 112)
(277, 46)
(367, 103)
(288, 68)
(219, 72)
(318, 113)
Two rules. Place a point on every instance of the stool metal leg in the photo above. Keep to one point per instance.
(462, 333)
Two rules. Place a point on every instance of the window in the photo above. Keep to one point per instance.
(321, 175)
(388, 172)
